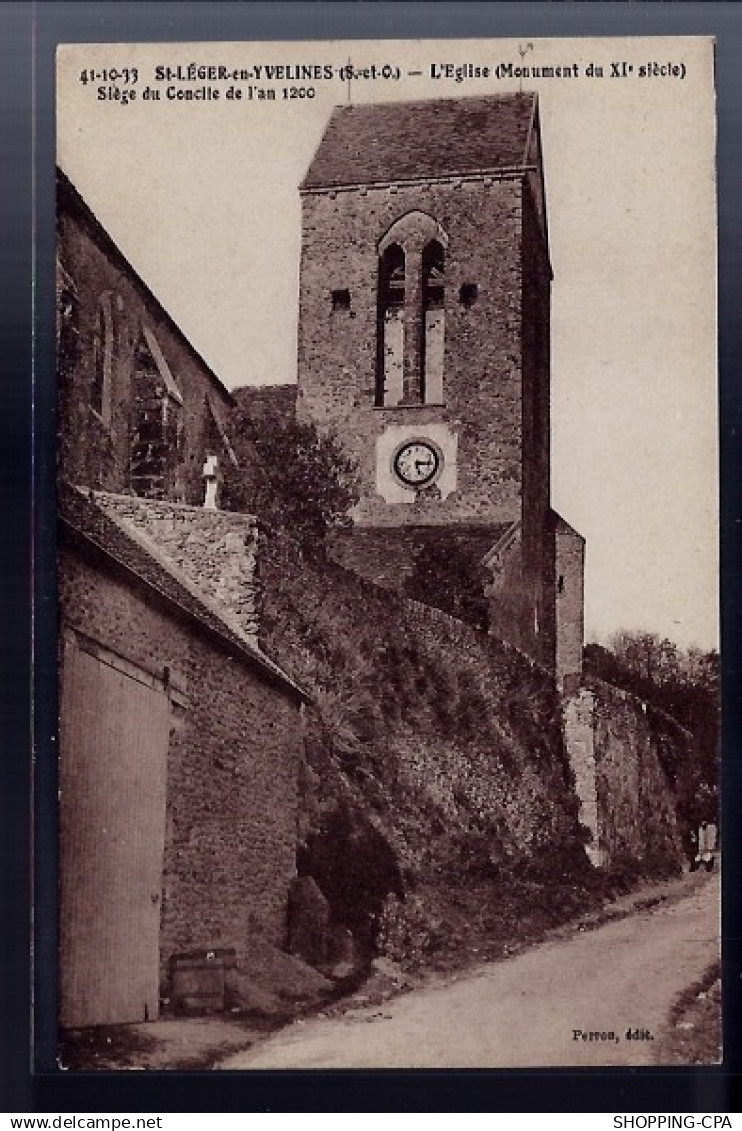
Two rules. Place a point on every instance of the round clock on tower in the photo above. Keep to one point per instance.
(417, 463)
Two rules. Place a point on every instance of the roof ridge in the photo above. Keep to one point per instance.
(500, 97)
(161, 556)
(231, 631)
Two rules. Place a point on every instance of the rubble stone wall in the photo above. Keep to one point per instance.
(233, 765)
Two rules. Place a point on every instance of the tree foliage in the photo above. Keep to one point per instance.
(682, 682)
(446, 576)
(291, 475)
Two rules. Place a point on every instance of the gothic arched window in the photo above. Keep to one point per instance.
(100, 385)
(68, 323)
(157, 422)
(390, 326)
(433, 323)
(410, 313)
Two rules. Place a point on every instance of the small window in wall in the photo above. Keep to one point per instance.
(560, 583)
(102, 361)
(434, 323)
(341, 300)
(468, 294)
(390, 326)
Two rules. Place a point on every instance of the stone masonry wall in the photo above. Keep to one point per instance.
(538, 543)
(635, 796)
(215, 549)
(446, 741)
(579, 736)
(483, 360)
(616, 749)
(570, 605)
(495, 412)
(233, 765)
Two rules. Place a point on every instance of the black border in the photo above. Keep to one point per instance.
(29, 33)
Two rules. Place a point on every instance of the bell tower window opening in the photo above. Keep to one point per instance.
(433, 323)
(390, 327)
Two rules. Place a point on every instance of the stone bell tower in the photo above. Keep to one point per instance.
(424, 338)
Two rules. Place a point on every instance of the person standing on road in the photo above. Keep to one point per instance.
(706, 845)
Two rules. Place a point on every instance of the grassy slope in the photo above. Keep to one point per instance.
(438, 811)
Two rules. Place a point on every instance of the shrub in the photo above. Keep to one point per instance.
(290, 475)
(447, 577)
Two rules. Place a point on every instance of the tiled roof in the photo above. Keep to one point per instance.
(562, 527)
(79, 512)
(408, 140)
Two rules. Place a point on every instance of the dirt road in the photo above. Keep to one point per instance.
(526, 1011)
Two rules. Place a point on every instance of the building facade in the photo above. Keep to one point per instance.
(180, 739)
(139, 409)
(180, 751)
(424, 348)
(424, 343)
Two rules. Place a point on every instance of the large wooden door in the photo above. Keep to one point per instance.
(114, 733)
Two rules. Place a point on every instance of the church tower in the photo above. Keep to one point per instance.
(424, 340)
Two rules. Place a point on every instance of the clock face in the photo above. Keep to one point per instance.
(417, 463)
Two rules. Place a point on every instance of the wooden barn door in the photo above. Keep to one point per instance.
(114, 733)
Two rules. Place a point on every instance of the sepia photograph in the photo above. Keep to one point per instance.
(388, 555)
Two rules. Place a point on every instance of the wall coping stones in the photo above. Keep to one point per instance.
(486, 176)
(110, 504)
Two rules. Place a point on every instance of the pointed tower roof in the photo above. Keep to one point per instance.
(403, 141)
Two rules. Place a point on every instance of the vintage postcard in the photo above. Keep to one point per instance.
(388, 577)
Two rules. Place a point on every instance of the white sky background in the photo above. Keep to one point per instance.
(202, 198)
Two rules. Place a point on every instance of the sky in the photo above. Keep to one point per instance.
(202, 197)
